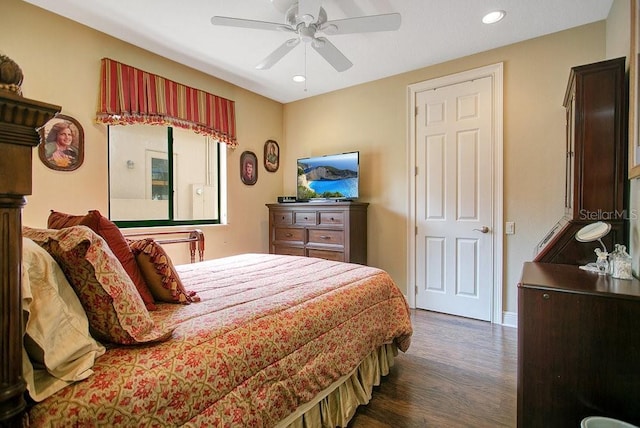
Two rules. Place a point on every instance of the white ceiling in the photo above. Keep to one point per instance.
(431, 32)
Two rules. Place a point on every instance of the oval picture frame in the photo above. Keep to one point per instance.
(271, 156)
(248, 168)
(63, 156)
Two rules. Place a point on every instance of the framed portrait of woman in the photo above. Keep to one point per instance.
(248, 168)
(271, 156)
(61, 143)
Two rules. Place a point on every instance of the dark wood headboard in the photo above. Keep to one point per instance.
(19, 119)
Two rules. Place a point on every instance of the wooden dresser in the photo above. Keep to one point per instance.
(578, 346)
(328, 230)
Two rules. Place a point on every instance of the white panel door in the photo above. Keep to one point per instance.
(454, 199)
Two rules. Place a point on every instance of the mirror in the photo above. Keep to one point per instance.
(593, 232)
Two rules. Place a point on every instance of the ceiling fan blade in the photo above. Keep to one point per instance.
(248, 23)
(309, 10)
(363, 24)
(277, 55)
(329, 52)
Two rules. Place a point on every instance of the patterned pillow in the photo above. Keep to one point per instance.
(117, 243)
(115, 310)
(159, 273)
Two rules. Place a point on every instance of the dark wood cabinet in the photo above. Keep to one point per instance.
(328, 230)
(578, 346)
(596, 162)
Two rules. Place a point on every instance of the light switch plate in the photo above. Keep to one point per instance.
(510, 228)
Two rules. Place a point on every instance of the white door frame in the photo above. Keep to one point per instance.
(495, 71)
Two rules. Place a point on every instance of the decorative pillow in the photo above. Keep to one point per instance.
(117, 243)
(58, 348)
(159, 273)
(115, 310)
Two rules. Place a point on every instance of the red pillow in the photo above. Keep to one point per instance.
(159, 273)
(117, 244)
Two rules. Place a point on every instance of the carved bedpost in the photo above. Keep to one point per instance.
(19, 119)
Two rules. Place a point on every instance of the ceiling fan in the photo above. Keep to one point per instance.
(307, 18)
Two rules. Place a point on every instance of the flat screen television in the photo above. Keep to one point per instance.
(329, 177)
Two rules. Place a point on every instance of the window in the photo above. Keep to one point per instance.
(160, 176)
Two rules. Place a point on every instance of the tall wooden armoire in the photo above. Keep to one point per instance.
(596, 163)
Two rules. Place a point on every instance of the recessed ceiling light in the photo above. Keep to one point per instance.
(493, 17)
(299, 78)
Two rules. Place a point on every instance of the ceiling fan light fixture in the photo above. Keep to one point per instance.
(493, 17)
(306, 33)
(299, 78)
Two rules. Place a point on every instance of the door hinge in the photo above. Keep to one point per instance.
(416, 230)
(416, 171)
(416, 288)
(416, 111)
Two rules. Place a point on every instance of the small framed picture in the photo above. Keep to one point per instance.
(61, 143)
(271, 156)
(248, 168)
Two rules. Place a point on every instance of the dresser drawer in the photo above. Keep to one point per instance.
(289, 234)
(337, 256)
(289, 251)
(304, 218)
(282, 218)
(321, 236)
(331, 219)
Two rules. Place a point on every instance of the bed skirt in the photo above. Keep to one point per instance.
(337, 404)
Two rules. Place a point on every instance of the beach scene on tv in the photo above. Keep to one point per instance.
(328, 177)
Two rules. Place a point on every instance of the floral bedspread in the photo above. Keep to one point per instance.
(270, 333)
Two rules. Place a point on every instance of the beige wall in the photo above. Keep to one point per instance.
(61, 63)
(373, 118)
(618, 27)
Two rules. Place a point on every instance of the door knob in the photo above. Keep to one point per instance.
(483, 229)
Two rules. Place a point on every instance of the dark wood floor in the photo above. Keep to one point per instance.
(458, 372)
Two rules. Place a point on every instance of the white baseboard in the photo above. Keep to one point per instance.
(510, 319)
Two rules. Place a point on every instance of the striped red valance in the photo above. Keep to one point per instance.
(132, 96)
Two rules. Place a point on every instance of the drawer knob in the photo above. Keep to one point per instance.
(325, 237)
(546, 296)
(289, 235)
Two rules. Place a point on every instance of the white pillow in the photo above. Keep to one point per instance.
(58, 348)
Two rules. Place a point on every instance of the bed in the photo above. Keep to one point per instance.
(250, 340)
